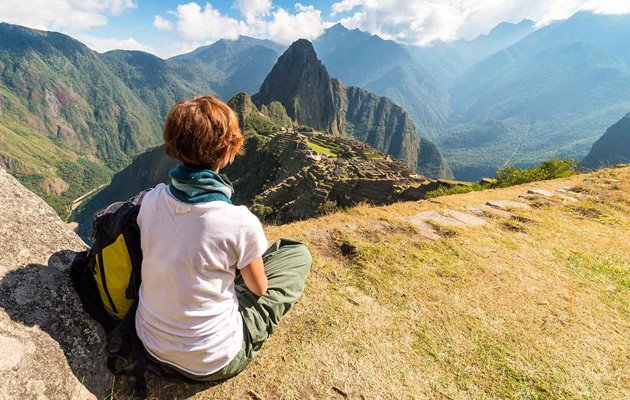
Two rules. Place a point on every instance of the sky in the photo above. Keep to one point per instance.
(170, 27)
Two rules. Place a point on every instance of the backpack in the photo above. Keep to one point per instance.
(108, 276)
(107, 279)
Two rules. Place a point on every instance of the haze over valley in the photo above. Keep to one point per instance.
(517, 95)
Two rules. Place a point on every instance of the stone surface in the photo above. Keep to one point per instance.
(11, 352)
(438, 218)
(424, 230)
(423, 220)
(556, 196)
(484, 210)
(507, 204)
(49, 348)
(541, 192)
(467, 219)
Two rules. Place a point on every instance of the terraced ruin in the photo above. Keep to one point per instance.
(289, 172)
(316, 173)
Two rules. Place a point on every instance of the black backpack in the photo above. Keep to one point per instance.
(107, 279)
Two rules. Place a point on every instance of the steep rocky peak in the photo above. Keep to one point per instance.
(301, 83)
(301, 49)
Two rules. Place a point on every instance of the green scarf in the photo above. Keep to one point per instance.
(197, 185)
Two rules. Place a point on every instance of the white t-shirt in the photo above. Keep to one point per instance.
(188, 311)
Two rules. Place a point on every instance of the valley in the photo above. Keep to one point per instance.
(517, 95)
(459, 172)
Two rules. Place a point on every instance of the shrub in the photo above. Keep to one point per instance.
(550, 169)
(457, 189)
(511, 175)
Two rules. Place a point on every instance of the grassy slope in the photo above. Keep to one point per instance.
(537, 311)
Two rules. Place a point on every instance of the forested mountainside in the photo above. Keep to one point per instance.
(288, 173)
(550, 94)
(302, 84)
(388, 69)
(66, 119)
(612, 148)
(70, 117)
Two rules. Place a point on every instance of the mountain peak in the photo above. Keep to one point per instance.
(508, 28)
(338, 27)
(301, 83)
(302, 46)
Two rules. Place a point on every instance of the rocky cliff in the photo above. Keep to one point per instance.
(49, 349)
(311, 97)
(612, 148)
(301, 83)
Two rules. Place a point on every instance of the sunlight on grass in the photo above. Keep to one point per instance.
(322, 149)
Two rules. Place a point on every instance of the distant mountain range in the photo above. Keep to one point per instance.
(71, 117)
(388, 69)
(550, 94)
(612, 148)
(300, 82)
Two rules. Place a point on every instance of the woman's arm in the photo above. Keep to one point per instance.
(254, 277)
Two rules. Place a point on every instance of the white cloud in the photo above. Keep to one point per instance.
(62, 15)
(207, 24)
(285, 28)
(102, 44)
(251, 9)
(344, 6)
(162, 24)
(422, 22)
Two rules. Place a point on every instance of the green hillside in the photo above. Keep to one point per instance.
(551, 94)
(66, 118)
(71, 117)
(388, 69)
(612, 148)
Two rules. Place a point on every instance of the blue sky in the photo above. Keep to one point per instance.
(137, 22)
(170, 27)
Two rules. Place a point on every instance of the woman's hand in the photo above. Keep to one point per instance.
(254, 277)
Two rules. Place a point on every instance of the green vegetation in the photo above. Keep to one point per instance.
(612, 148)
(551, 169)
(51, 170)
(322, 149)
(544, 96)
(457, 189)
(511, 175)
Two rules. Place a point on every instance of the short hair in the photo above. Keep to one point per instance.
(198, 131)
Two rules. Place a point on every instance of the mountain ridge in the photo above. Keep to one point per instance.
(545, 96)
(301, 83)
(613, 147)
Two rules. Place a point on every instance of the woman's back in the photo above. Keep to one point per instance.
(188, 310)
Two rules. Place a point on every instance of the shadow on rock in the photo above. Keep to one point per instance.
(40, 298)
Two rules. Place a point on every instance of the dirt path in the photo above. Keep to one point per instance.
(77, 202)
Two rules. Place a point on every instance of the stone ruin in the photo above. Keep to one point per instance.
(318, 173)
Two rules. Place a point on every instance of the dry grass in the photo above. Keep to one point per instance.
(537, 310)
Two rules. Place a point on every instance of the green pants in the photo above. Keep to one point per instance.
(286, 265)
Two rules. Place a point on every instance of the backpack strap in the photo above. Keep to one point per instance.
(126, 354)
